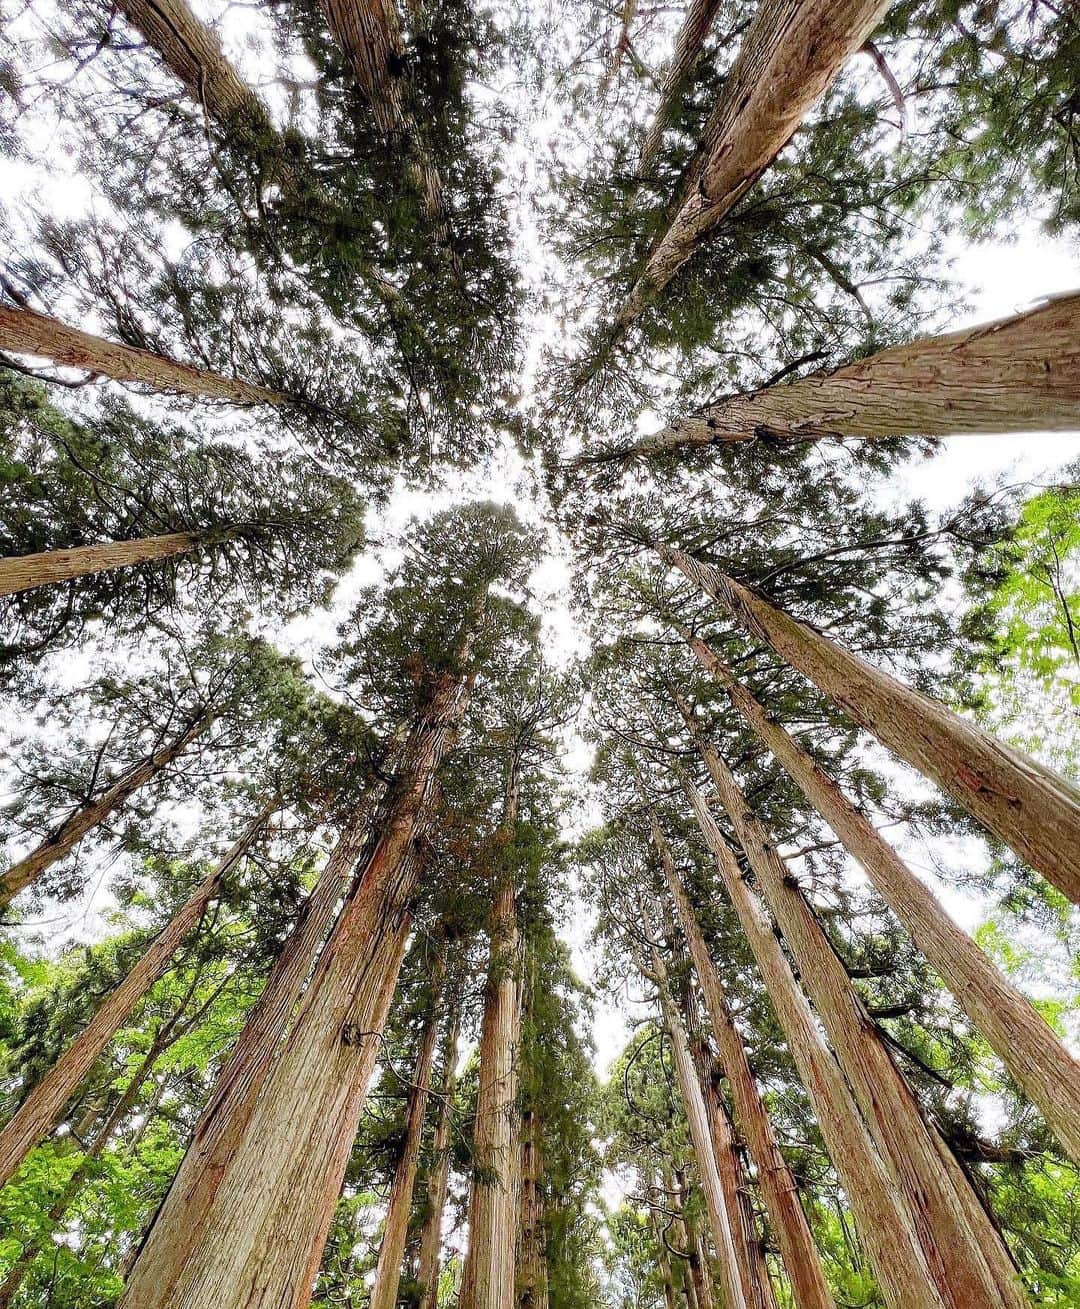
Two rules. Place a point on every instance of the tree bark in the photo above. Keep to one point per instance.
(778, 1187)
(1013, 1028)
(1019, 374)
(384, 1292)
(25, 572)
(282, 1179)
(25, 331)
(964, 1251)
(490, 1264)
(532, 1252)
(93, 813)
(736, 1294)
(789, 56)
(695, 28)
(883, 1220)
(1024, 803)
(439, 1177)
(39, 1111)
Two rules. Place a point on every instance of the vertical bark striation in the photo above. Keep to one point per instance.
(25, 572)
(439, 1177)
(1025, 804)
(26, 332)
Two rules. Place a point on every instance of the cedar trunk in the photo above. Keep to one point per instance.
(26, 332)
(884, 1223)
(25, 572)
(282, 1179)
(1025, 804)
(789, 56)
(1019, 374)
(963, 1249)
(1013, 1028)
(778, 1187)
(532, 1276)
(92, 814)
(695, 28)
(42, 1106)
(439, 1177)
(384, 1293)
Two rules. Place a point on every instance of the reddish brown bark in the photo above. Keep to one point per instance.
(26, 332)
(36, 1115)
(1025, 804)
(439, 1177)
(964, 1251)
(1019, 374)
(1014, 1029)
(789, 56)
(92, 814)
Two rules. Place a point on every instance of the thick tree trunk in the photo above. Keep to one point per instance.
(1014, 1029)
(737, 1294)
(1025, 804)
(695, 28)
(778, 1187)
(789, 56)
(427, 1273)
(963, 1249)
(36, 1115)
(282, 1179)
(1019, 374)
(488, 1281)
(26, 332)
(384, 1293)
(883, 1220)
(93, 813)
(25, 572)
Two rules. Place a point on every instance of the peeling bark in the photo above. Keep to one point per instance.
(1024, 803)
(92, 814)
(1018, 374)
(39, 1111)
(26, 332)
(789, 57)
(1013, 1028)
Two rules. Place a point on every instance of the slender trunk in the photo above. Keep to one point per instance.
(93, 813)
(789, 56)
(36, 1115)
(778, 1187)
(488, 1281)
(384, 1293)
(282, 1179)
(1025, 804)
(427, 1273)
(74, 1184)
(1014, 1029)
(1019, 374)
(699, 1282)
(25, 572)
(26, 332)
(884, 1224)
(532, 1255)
(695, 28)
(708, 1164)
(664, 1262)
(964, 1252)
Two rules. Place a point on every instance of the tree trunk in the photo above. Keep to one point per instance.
(93, 813)
(789, 56)
(695, 28)
(39, 1111)
(25, 572)
(699, 1281)
(884, 1223)
(532, 1253)
(963, 1249)
(1025, 804)
(1019, 374)
(488, 1281)
(664, 1261)
(384, 1293)
(26, 332)
(737, 1295)
(778, 1187)
(282, 1178)
(1013, 1028)
(438, 1180)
